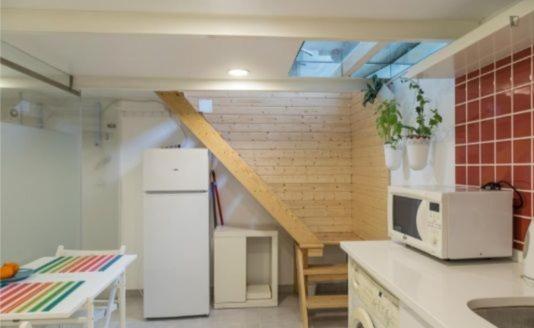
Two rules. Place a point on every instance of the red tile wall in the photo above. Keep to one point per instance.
(495, 129)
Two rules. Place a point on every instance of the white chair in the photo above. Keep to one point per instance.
(99, 309)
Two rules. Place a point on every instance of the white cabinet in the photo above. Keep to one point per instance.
(233, 249)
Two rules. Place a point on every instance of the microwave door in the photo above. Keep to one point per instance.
(405, 215)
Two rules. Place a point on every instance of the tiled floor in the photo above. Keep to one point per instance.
(286, 315)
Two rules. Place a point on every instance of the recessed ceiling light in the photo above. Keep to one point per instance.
(238, 72)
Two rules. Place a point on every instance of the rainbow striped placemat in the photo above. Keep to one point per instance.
(70, 264)
(35, 296)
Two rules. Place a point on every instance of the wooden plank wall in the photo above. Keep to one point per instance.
(299, 143)
(370, 176)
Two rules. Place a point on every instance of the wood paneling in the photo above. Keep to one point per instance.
(299, 143)
(182, 110)
(370, 177)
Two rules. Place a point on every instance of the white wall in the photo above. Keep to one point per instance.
(440, 170)
(100, 177)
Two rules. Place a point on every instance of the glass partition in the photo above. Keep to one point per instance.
(40, 159)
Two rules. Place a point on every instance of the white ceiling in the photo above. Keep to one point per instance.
(163, 56)
(371, 9)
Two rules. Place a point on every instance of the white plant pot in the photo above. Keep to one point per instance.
(393, 156)
(417, 149)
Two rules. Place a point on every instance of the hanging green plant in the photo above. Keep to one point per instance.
(389, 122)
(372, 89)
(423, 128)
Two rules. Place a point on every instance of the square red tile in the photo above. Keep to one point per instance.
(460, 79)
(473, 132)
(473, 90)
(487, 84)
(473, 74)
(522, 98)
(473, 110)
(522, 53)
(522, 150)
(504, 61)
(460, 93)
(487, 153)
(503, 152)
(503, 127)
(461, 172)
(502, 78)
(522, 177)
(503, 103)
(487, 174)
(520, 228)
(460, 114)
(473, 175)
(461, 154)
(487, 128)
(522, 71)
(503, 173)
(487, 68)
(473, 154)
(487, 107)
(522, 125)
(460, 132)
(526, 210)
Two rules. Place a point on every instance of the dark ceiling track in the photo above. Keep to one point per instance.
(68, 88)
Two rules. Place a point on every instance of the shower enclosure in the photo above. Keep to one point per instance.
(40, 158)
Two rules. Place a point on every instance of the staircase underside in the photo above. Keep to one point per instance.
(187, 115)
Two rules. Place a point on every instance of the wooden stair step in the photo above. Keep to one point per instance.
(334, 238)
(335, 269)
(328, 278)
(327, 302)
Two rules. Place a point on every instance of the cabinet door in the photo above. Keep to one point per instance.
(230, 269)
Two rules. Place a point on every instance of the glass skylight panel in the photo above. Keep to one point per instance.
(334, 58)
(397, 57)
(321, 58)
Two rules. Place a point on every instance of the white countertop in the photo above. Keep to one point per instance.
(438, 291)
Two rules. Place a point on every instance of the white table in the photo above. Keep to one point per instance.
(83, 297)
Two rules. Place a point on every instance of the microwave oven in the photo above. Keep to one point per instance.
(452, 222)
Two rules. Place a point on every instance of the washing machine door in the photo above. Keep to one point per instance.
(363, 320)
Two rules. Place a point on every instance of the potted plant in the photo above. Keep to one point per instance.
(418, 139)
(389, 127)
(372, 89)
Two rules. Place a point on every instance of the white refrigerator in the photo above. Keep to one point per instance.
(176, 232)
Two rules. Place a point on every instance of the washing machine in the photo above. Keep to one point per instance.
(370, 304)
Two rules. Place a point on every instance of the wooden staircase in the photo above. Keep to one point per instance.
(306, 274)
(308, 243)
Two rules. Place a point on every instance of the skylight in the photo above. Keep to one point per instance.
(321, 58)
(397, 57)
(359, 59)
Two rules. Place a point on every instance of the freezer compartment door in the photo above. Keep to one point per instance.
(176, 255)
(167, 170)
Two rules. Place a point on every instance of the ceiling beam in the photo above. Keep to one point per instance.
(86, 83)
(360, 55)
(69, 21)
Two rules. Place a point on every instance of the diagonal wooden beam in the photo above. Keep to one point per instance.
(181, 109)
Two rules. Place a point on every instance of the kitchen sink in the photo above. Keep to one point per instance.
(517, 312)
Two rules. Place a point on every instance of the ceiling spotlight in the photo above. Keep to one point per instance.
(238, 72)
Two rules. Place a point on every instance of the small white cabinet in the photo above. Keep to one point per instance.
(236, 252)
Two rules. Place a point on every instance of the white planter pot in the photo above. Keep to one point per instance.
(393, 156)
(417, 149)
